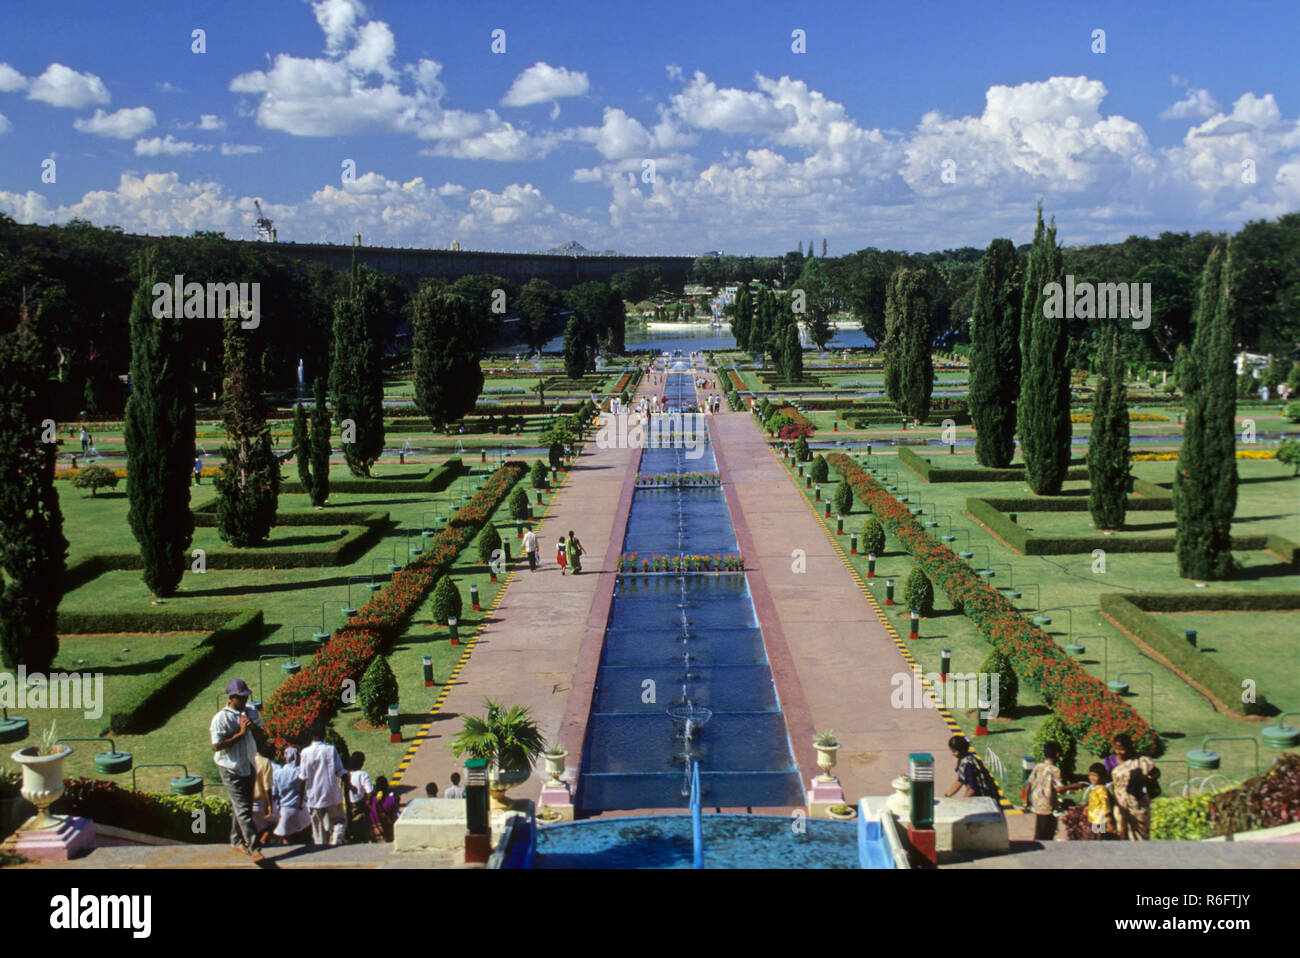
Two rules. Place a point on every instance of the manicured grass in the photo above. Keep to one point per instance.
(1182, 715)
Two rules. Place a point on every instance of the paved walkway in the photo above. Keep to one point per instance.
(832, 659)
(543, 640)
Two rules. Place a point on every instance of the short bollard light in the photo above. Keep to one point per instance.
(889, 592)
(12, 729)
(519, 528)
(853, 543)
(920, 777)
(982, 718)
(839, 525)
(1281, 735)
(952, 449)
(428, 671)
(1191, 637)
(482, 455)
(473, 597)
(539, 497)
(817, 492)
(452, 631)
(828, 509)
(945, 664)
(915, 629)
(394, 724)
(871, 565)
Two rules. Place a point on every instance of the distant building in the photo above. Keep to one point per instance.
(455, 245)
(1253, 363)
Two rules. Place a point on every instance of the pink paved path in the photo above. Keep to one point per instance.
(832, 659)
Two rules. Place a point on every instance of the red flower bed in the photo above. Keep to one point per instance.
(803, 426)
(1093, 713)
(315, 691)
(736, 380)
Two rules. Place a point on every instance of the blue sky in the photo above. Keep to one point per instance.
(669, 127)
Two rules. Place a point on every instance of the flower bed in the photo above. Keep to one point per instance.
(803, 426)
(1093, 713)
(314, 692)
(736, 381)
(1172, 456)
(632, 562)
(1132, 417)
(670, 480)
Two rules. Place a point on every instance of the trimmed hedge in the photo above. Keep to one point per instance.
(992, 514)
(165, 816)
(435, 480)
(146, 706)
(931, 473)
(1092, 713)
(1129, 610)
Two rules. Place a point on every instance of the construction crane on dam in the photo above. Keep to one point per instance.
(265, 228)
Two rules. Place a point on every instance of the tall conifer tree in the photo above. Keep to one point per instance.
(320, 445)
(448, 378)
(248, 485)
(743, 319)
(1043, 412)
(995, 355)
(356, 374)
(159, 432)
(1108, 445)
(1205, 483)
(32, 546)
(302, 447)
(909, 365)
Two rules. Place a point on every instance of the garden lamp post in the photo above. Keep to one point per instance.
(1044, 619)
(350, 610)
(952, 535)
(970, 553)
(183, 784)
(324, 633)
(1105, 662)
(283, 668)
(12, 729)
(376, 586)
(1203, 759)
(1152, 689)
(111, 762)
(1011, 578)
(293, 644)
(1281, 735)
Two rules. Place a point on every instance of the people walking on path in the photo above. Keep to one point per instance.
(290, 798)
(454, 790)
(85, 440)
(236, 732)
(321, 768)
(972, 777)
(1135, 779)
(530, 547)
(198, 470)
(360, 790)
(561, 555)
(574, 548)
(263, 790)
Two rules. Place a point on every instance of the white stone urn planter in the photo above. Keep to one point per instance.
(555, 766)
(826, 760)
(501, 780)
(42, 782)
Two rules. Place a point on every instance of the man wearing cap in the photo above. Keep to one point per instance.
(236, 732)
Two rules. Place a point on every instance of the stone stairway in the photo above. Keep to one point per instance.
(290, 856)
(1113, 855)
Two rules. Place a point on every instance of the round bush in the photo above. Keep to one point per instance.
(820, 469)
(518, 504)
(97, 477)
(1055, 730)
(918, 593)
(801, 451)
(1008, 684)
(538, 475)
(843, 498)
(873, 537)
(446, 600)
(555, 455)
(489, 541)
(378, 690)
(1293, 411)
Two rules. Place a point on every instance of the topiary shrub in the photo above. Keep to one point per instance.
(820, 469)
(446, 600)
(555, 455)
(1055, 730)
(93, 478)
(489, 541)
(538, 475)
(873, 537)
(919, 593)
(801, 451)
(518, 503)
(843, 498)
(1008, 684)
(378, 690)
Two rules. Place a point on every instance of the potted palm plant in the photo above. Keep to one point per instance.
(510, 741)
(827, 745)
(43, 774)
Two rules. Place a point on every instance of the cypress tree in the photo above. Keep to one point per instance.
(159, 432)
(356, 375)
(791, 353)
(32, 545)
(995, 355)
(1044, 407)
(302, 448)
(248, 485)
(574, 350)
(320, 445)
(742, 321)
(1108, 458)
(1205, 483)
(448, 378)
(909, 366)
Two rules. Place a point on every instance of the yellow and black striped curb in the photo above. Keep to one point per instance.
(423, 732)
(927, 686)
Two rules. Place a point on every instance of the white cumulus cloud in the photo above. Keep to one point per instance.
(125, 124)
(64, 86)
(167, 146)
(542, 83)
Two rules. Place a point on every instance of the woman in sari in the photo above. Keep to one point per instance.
(575, 551)
(1132, 780)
